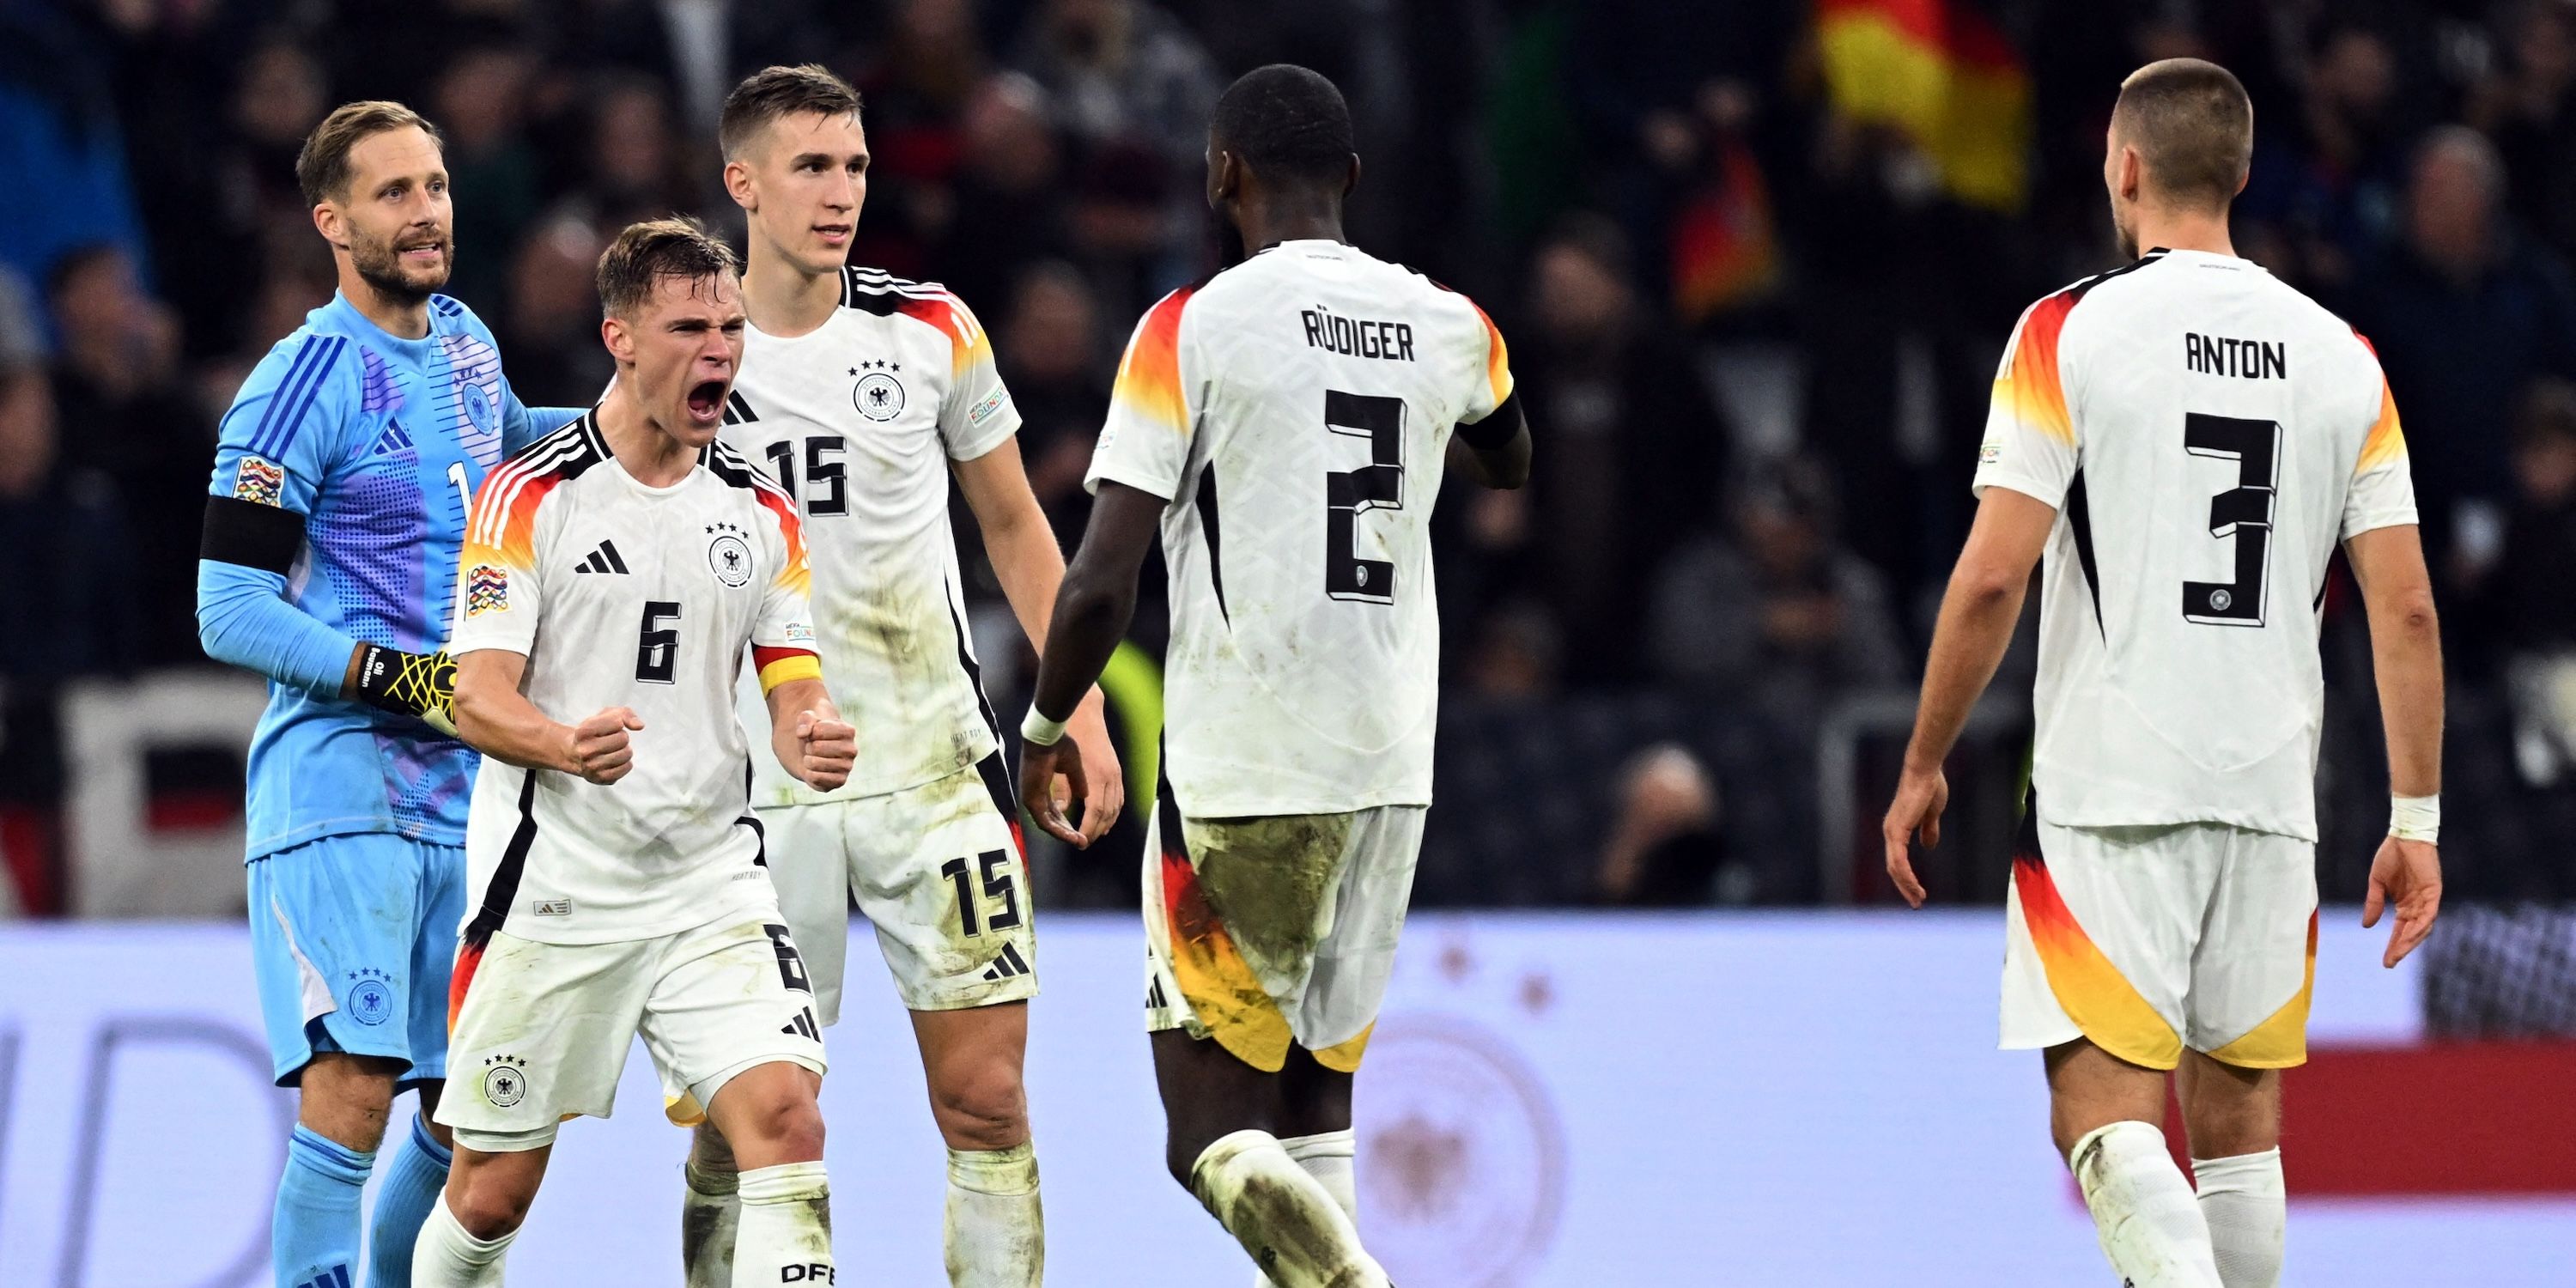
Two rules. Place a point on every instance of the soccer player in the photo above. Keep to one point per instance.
(340, 489)
(2187, 440)
(864, 393)
(618, 870)
(1284, 423)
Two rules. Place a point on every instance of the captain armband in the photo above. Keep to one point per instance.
(1495, 431)
(247, 534)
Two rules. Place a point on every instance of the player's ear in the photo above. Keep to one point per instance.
(1351, 181)
(326, 221)
(620, 341)
(737, 183)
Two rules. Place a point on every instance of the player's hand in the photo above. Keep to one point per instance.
(1038, 769)
(1921, 795)
(1089, 730)
(830, 746)
(599, 750)
(2409, 872)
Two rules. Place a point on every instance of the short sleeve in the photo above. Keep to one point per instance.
(497, 575)
(1495, 386)
(977, 414)
(2382, 494)
(1146, 442)
(282, 434)
(2030, 444)
(782, 639)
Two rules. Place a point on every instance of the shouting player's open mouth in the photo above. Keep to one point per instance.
(707, 400)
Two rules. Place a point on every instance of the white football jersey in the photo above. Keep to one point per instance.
(623, 595)
(1295, 411)
(859, 419)
(2207, 435)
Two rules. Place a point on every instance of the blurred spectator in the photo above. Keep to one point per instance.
(1049, 349)
(2464, 313)
(1009, 210)
(61, 520)
(2530, 109)
(1123, 70)
(116, 376)
(22, 336)
(2524, 596)
(1664, 848)
(552, 329)
(481, 105)
(917, 88)
(1634, 451)
(1782, 616)
(1517, 653)
(60, 144)
(635, 169)
(2324, 196)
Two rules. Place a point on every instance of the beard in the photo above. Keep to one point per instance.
(380, 265)
(2124, 236)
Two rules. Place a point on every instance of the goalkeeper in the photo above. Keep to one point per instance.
(329, 566)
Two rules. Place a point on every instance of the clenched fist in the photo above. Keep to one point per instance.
(828, 746)
(599, 750)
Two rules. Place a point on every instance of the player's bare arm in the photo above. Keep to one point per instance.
(2406, 655)
(1092, 610)
(495, 718)
(1978, 613)
(1024, 556)
(809, 735)
(1494, 451)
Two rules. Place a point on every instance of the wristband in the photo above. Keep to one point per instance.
(1040, 731)
(421, 685)
(2415, 818)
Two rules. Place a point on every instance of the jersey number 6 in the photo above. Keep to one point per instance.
(1378, 485)
(2243, 512)
(657, 647)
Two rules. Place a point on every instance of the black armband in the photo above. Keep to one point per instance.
(262, 537)
(1495, 431)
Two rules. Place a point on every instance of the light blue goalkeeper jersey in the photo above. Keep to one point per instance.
(378, 442)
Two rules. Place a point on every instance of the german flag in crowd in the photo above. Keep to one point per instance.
(1723, 253)
(1940, 71)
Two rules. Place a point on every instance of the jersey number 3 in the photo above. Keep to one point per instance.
(2242, 513)
(1378, 485)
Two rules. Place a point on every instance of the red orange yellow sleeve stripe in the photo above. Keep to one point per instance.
(2101, 1002)
(785, 665)
(793, 573)
(1149, 377)
(967, 344)
(2030, 387)
(504, 526)
(2387, 440)
(1498, 360)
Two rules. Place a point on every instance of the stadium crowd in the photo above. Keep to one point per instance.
(1754, 314)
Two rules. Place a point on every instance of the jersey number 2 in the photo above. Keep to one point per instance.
(2243, 513)
(1378, 485)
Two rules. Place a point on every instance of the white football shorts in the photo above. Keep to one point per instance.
(539, 1032)
(1264, 931)
(937, 869)
(2147, 940)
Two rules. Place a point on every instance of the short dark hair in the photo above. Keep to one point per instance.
(1287, 121)
(2192, 123)
(322, 168)
(773, 92)
(650, 251)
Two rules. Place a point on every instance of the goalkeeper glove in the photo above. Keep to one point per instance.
(414, 684)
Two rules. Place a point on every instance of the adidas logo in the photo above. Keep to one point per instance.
(335, 1277)
(1006, 965)
(1154, 999)
(394, 439)
(604, 559)
(803, 1025)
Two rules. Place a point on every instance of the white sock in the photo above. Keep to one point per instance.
(786, 1232)
(2247, 1208)
(996, 1232)
(448, 1257)
(710, 1220)
(2143, 1209)
(1293, 1228)
(1329, 1157)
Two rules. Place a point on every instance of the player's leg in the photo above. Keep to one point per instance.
(754, 1061)
(333, 924)
(418, 1171)
(804, 849)
(1235, 912)
(2251, 981)
(538, 1033)
(2100, 928)
(1315, 1119)
(939, 872)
